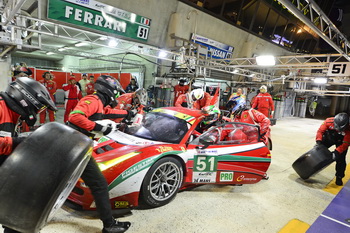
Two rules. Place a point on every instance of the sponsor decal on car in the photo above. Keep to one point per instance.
(226, 176)
(121, 204)
(163, 149)
(243, 178)
(207, 152)
(137, 167)
(204, 177)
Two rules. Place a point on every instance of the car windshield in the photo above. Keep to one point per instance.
(159, 126)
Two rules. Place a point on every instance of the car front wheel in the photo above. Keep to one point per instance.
(162, 182)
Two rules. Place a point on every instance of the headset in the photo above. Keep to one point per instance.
(47, 72)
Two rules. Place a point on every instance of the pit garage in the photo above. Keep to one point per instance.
(216, 46)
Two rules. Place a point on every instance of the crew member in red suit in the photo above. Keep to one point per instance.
(196, 99)
(335, 131)
(51, 87)
(180, 89)
(90, 87)
(72, 95)
(263, 102)
(133, 100)
(90, 109)
(15, 104)
(240, 113)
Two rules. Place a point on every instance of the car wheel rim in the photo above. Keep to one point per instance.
(165, 181)
(69, 186)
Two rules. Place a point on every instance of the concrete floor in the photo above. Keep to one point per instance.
(264, 207)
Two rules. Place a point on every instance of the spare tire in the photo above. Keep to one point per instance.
(38, 176)
(313, 161)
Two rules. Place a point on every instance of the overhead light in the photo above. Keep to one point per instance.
(252, 75)
(162, 54)
(50, 53)
(235, 71)
(112, 43)
(265, 60)
(320, 80)
(81, 44)
(62, 49)
(103, 38)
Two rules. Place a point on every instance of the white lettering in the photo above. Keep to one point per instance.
(119, 26)
(108, 24)
(69, 11)
(88, 17)
(77, 15)
(98, 20)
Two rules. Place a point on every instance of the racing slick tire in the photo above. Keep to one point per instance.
(40, 173)
(162, 182)
(313, 161)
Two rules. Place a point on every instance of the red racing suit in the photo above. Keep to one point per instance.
(72, 95)
(90, 109)
(329, 136)
(198, 104)
(51, 87)
(263, 103)
(125, 101)
(252, 116)
(179, 90)
(8, 121)
(90, 88)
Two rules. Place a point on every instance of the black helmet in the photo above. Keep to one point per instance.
(31, 96)
(341, 121)
(110, 88)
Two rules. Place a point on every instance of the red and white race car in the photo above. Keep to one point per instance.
(148, 163)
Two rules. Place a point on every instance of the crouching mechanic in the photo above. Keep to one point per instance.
(89, 109)
(23, 99)
(335, 131)
(240, 113)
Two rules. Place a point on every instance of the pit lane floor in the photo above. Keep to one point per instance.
(265, 207)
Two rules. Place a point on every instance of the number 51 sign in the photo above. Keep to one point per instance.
(339, 69)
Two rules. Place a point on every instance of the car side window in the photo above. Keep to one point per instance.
(229, 133)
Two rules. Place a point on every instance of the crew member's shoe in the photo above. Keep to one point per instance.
(338, 181)
(117, 227)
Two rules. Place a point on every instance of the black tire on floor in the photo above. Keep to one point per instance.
(38, 176)
(161, 183)
(312, 161)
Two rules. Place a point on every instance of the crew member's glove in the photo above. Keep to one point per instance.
(106, 129)
(16, 141)
(335, 155)
(319, 142)
(131, 114)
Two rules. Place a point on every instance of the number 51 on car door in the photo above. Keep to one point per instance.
(205, 168)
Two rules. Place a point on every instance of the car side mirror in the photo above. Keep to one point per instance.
(207, 141)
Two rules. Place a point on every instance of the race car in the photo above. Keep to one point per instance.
(173, 149)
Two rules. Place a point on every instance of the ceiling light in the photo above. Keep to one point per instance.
(265, 60)
(162, 54)
(62, 49)
(235, 71)
(320, 80)
(50, 53)
(112, 43)
(103, 38)
(81, 44)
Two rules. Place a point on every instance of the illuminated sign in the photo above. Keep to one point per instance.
(99, 16)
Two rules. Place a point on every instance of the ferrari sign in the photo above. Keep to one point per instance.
(339, 69)
(99, 16)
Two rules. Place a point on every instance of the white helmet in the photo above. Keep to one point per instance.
(196, 94)
(263, 89)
